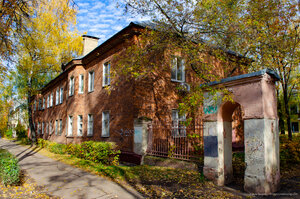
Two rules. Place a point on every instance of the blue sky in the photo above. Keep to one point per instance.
(102, 18)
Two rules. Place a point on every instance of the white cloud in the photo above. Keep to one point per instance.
(118, 27)
(98, 5)
(101, 25)
(83, 4)
(103, 18)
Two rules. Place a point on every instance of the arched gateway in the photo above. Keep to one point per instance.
(255, 95)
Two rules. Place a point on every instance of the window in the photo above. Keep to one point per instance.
(61, 95)
(91, 81)
(71, 86)
(106, 74)
(60, 127)
(57, 97)
(40, 104)
(48, 101)
(50, 128)
(51, 99)
(90, 125)
(47, 128)
(39, 128)
(295, 127)
(79, 125)
(56, 127)
(43, 125)
(44, 99)
(177, 73)
(34, 105)
(105, 124)
(178, 127)
(70, 126)
(81, 83)
(294, 109)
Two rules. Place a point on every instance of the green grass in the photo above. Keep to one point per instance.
(9, 168)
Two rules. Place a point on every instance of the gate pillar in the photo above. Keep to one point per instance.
(256, 94)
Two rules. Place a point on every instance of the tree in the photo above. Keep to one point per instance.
(13, 13)
(266, 31)
(275, 26)
(51, 40)
(6, 102)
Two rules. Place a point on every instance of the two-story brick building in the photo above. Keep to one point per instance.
(79, 104)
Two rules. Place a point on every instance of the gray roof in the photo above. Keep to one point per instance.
(254, 74)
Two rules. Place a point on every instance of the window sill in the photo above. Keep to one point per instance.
(69, 136)
(105, 136)
(178, 81)
(90, 91)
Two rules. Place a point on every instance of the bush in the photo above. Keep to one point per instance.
(8, 133)
(104, 152)
(9, 168)
(289, 151)
(98, 152)
(56, 148)
(20, 131)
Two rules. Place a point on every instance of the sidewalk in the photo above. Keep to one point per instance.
(63, 180)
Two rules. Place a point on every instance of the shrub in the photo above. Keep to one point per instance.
(57, 148)
(289, 151)
(20, 131)
(98, 152)
(25, 141)
(9, 168)
(104, 152)
(8, 133)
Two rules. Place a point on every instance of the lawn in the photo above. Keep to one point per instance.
(164, 182)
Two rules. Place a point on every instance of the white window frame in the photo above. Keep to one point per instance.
(57, 97)
(70, 125)
(51, 99)
(178, 127)
(106, 74)
(61, 95)
(80, 125)
(90, 125)
(81, 84)
(177, 68)
(91, 81)
(105, 124)
(56, 127)
(71, 86)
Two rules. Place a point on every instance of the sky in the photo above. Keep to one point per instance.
(102, 18)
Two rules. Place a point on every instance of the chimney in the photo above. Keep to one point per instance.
(89, 43)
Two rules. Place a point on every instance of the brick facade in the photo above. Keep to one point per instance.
(124, 102)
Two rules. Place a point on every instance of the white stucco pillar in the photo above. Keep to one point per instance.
(262, 173)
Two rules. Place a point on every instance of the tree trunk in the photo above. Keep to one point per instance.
(30, 115)
(280, 115)
(287, 112)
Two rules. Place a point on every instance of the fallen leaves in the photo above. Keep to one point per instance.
(27, 190)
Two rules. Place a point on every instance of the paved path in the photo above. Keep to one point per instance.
(63, 180)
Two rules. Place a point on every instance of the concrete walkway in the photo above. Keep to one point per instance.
(63, 180)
